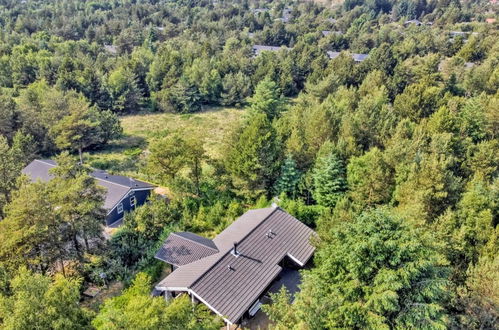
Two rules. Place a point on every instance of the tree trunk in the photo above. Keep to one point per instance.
(77, 246)
(85, 239)
(196, 177)
(62, 267)
(80, 152)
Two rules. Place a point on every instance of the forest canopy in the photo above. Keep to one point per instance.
(376, 123)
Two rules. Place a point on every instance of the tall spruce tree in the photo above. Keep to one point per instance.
(253, 156)
(79, 203)
(288, 179)
(377, 272)
(329, 177)
(30, 234)
(267, 99)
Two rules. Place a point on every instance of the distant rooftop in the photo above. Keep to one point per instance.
(111, 49)
(413, 21)
(260, 10)
(356, 57)
(257, 49)
(325, 33)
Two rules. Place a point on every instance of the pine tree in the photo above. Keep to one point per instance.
(137, 309)
(39, 302)
(75, 131)
(266, 99)
(30, 234)
(329, 179)
(79, 203)
(288, 180)
(12, 160)
(370, 179)
(253, 157)
(376, 272)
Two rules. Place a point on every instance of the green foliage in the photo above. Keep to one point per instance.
(428, 185)
(329, 177)
(375, 272)
(125, 93)
(137, 309)
(479, 297)
(308, 214)
(12, 160)
(253, 156)
(289, 178)
(74, 131)
(29, 233)
(415, 125)
(38, 302)
(280, 312)
(64, 120)
(470, 231)
(235, 89)
(266, 99)
(370, 178)
(171, 154)
(44, 221)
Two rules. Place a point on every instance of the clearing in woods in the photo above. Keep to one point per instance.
(124, 155)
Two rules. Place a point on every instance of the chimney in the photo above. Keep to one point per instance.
(234, 250)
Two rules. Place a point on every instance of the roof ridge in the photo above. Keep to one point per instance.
(228, 251)
(118, 184)
(175, 233)
(45, 162)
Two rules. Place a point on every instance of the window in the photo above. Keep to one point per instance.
(133, 201)
(120, 208)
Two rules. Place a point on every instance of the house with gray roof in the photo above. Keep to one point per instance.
(286, 14)
(258, 49)
(231, 273)
(413, 21)
(111, 49)
(325, 33)
(123, 194)
(356, 57)
(257, 11)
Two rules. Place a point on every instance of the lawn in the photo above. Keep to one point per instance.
(124, 155)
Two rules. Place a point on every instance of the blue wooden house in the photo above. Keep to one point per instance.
(123, 194)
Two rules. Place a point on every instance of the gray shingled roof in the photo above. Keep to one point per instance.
(325, 33)
(356, 57)
(231, 291)
(332, 55)
(413, 21)
(111, 49)
(117, 186)
(183, 248)
(257, 49)
(359, 57)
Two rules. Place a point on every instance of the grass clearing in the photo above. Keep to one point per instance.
(212, 126)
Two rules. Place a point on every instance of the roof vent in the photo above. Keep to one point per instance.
(229, 267)
(269, 233)
(234, 250)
